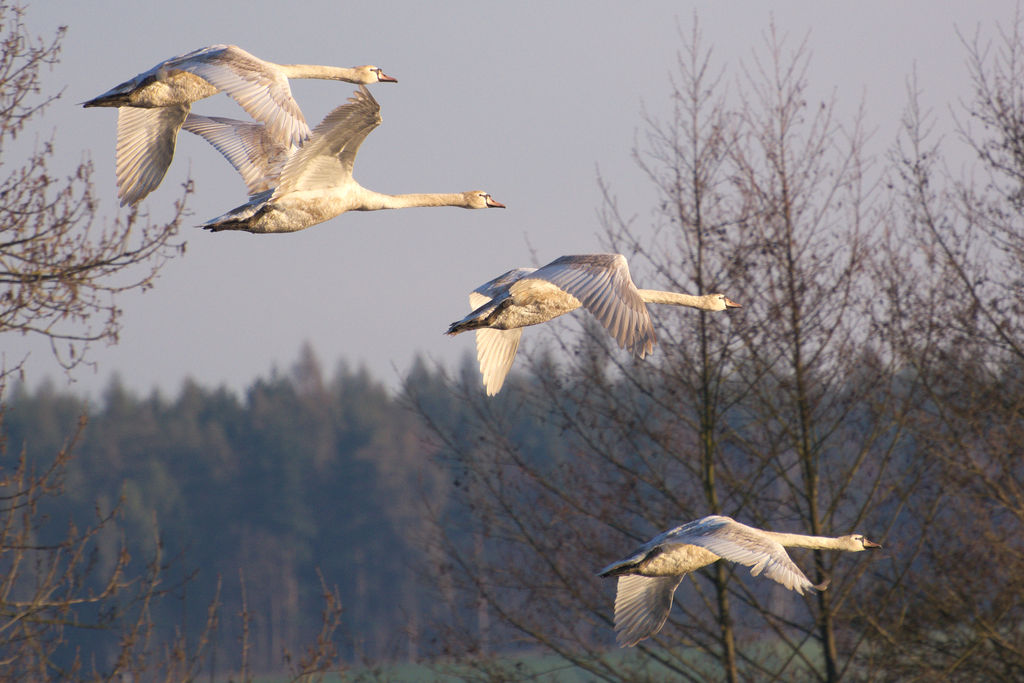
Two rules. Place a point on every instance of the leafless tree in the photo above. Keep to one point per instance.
(809, 362)
(62, 263)
(785, 414)
(957, 295)
(693, 246)
(61, 266)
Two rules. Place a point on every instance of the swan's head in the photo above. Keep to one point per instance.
(719, 302)
(478, 199)
(372, 74)
(856, 543)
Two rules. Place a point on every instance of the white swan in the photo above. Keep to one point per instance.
(153, 105)
(649, 576)
(529, 296)
(315, 182)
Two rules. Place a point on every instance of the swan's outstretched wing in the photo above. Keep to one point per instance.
(642, 604)
(325, 160)
(496, 349)
(603, 286)
(742, 544)
(145, 147)
(248, 146)
(259, 87)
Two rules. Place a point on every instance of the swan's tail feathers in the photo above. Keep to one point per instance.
(120, 95)
(619, 568)
(225, 225)
(463, 325)
(629, 563)
(483, 315)
(115, 100)
(241, 217)
(229, 221)
(473, 321)
(233, 220)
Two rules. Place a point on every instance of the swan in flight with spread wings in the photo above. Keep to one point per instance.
(649, 576)
(314, 183)
(153, 105)
(529, 296)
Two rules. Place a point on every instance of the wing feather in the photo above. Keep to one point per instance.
(261, 91)
(248, 146)
(145, 146)
(495, 351)
(642, 604)
(603, 286)
(327, 157)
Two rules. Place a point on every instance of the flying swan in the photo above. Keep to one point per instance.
(649, 576)
(529, 296)
(153, 105)
(314, 183)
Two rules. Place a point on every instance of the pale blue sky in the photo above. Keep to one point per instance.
(525, 100)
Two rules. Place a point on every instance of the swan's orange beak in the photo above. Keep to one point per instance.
(732, 304)
(384, 78)
(871, 544)
(492, 204)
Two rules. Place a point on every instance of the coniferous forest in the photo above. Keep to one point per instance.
(306, 477)
(321, 524)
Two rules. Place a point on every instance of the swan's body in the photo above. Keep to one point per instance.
(315, 182)
(529, 296)
(649, 576)
(153, 105)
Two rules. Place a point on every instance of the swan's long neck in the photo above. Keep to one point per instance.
(330, 73)
(378, 200)
(802, 541)
(655, 296)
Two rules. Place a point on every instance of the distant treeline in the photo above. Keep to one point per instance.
(303, 474)
(429, 509)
